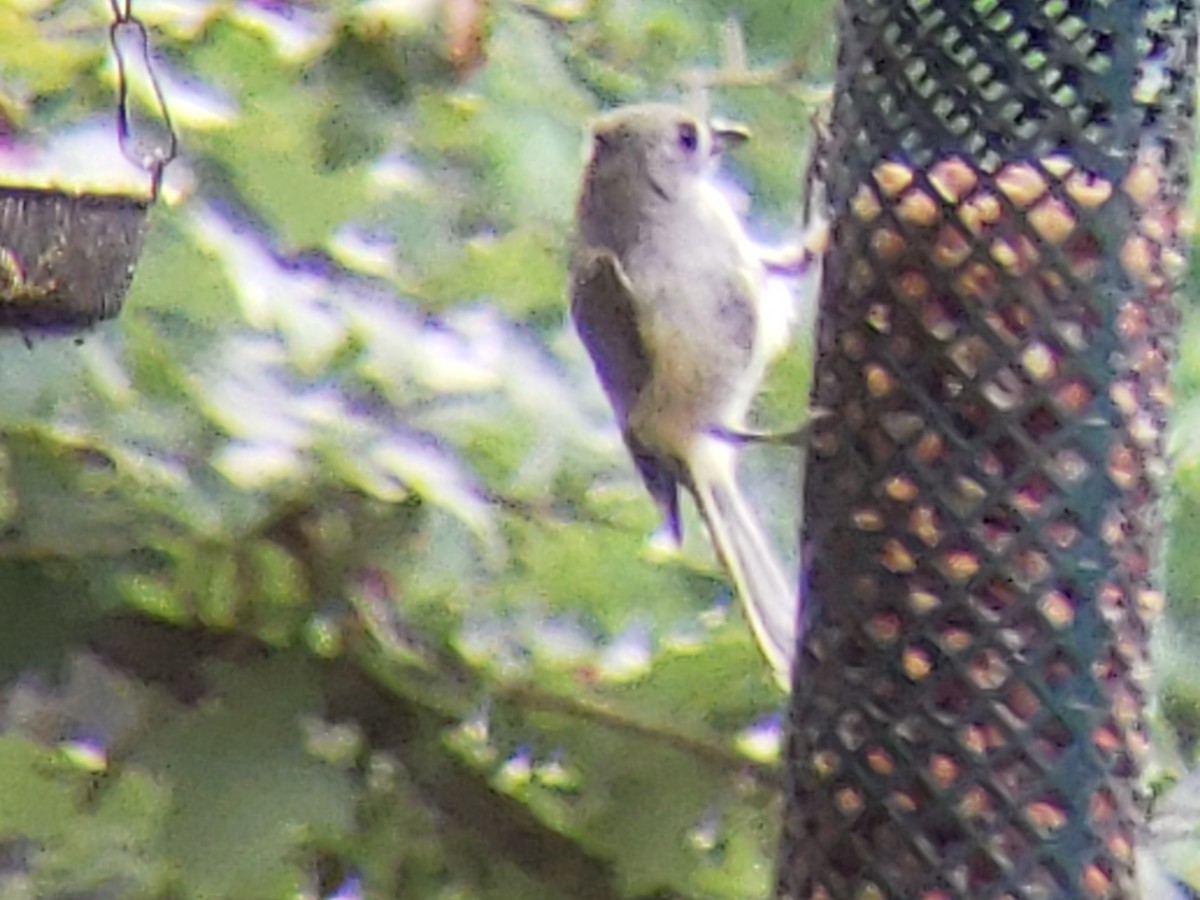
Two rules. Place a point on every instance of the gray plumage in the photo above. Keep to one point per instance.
(667, 293)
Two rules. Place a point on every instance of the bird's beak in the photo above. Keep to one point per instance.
(727, 135)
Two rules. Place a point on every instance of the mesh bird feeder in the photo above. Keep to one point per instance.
(995, 334)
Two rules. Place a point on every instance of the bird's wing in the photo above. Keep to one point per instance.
(602, 306)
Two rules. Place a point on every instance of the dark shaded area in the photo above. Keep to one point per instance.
(175, 659)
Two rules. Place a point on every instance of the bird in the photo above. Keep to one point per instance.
(669, 295)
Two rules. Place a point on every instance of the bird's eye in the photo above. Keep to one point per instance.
(689, 136)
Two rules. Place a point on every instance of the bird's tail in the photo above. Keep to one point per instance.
(769, 597)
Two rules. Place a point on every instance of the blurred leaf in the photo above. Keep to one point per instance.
(43, 65)
(245, 796)
(114, 850)
(342, 416)
(639, 806)
(276, 153)
(521, 272)
(38, 802)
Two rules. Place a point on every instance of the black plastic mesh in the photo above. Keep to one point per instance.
(980, 519)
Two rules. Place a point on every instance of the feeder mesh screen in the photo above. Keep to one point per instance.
(980, 510)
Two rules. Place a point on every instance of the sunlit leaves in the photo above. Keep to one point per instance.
(342, 416)
(521, 272)
(35, 63)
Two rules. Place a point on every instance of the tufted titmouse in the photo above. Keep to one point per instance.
(669, 295)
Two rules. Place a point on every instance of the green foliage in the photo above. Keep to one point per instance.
(247, 741)
(322, 569)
